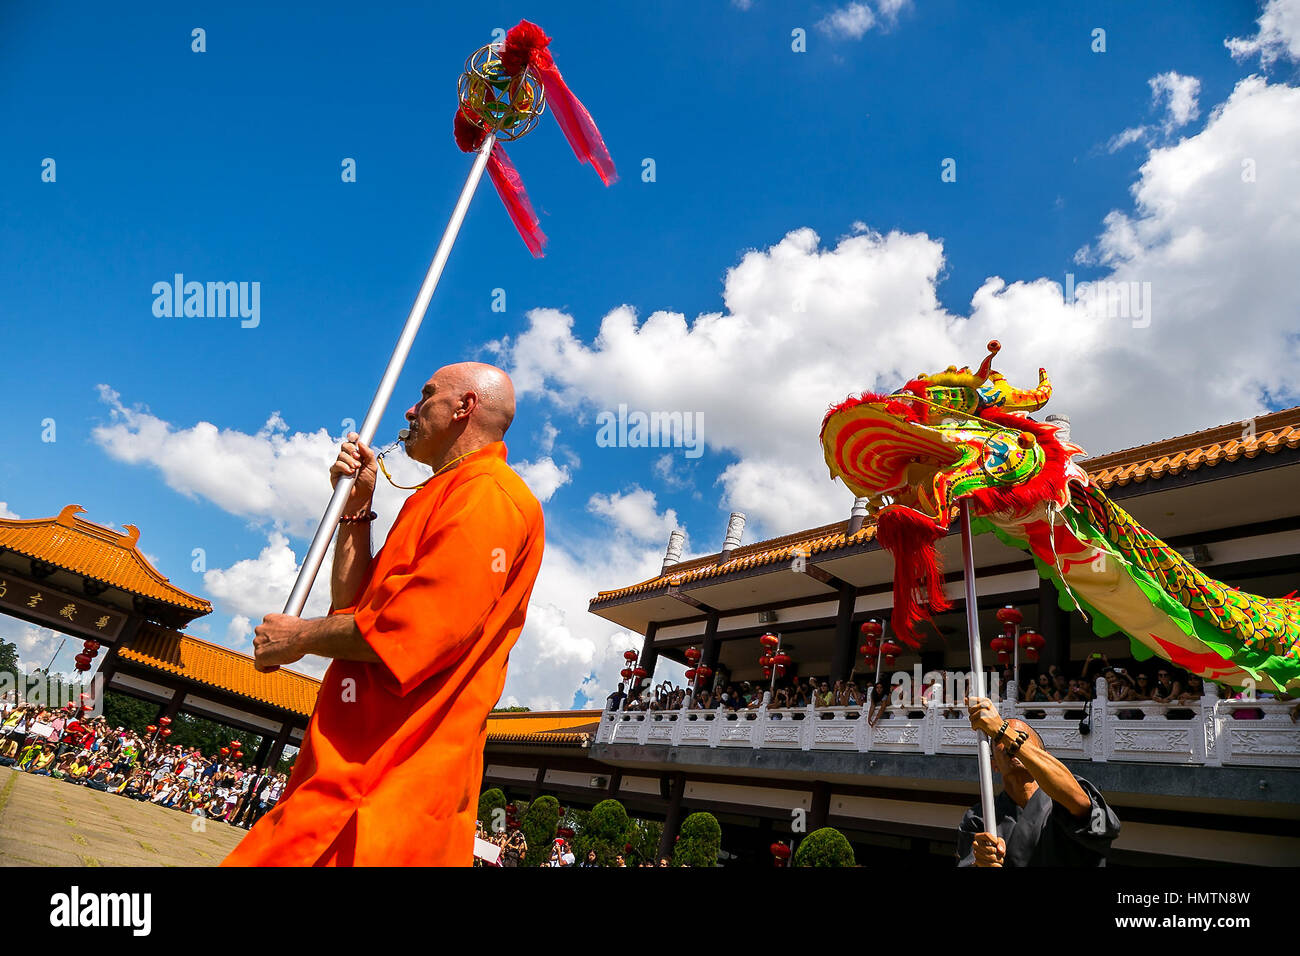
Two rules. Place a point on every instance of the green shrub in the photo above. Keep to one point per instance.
(604, 830)
(699, 841)
(538, 823)
(824, 847)
(489, 802)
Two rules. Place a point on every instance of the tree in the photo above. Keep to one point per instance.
(9, 661)
(605, 831)
(699, 842)
(489, 803)
(539, 823)
(643, 837)
(825, 847)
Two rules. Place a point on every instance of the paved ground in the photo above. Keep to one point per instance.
(46, 822)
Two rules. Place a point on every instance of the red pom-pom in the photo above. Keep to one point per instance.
(522, 42)
(469, 136)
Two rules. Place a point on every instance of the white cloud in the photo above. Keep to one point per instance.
(742, 4)
(543, 477)
(1278, 35)
(635, 513)
(1179, 95)
(852, 21)
(5, 512)
(804, 325)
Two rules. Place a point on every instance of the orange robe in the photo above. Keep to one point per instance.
(390, 768)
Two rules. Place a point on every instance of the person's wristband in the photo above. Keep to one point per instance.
(358, 518)
(1002, 731)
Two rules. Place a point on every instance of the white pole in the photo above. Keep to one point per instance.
(325, 531)
(977, 668)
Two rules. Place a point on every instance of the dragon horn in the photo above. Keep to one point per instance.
(986, 367)
(1024, 400)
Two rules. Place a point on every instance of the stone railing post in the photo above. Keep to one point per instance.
(1209, 717)
(715, 731)
(1101, 723)
(808, 732)
(756, 732)
(929, 727)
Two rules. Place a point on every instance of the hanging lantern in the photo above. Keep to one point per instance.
(1003, 646)
(1031, 642)
(769, 640)
(166, 731)
(780, 670)
(767, 672)
(91, 647)
(236, 744)
(891, 650)
(781, 660)
(225, 751)
(629, 655)
(690, 674)
(150, 729)
(81, 662)
(871, 629)
(704, 671)
(870, 649)
(780, 853)
(1009, 615)
(164, 721)
(693, 655)
(239, 755)
(639, 672)
(625, 673)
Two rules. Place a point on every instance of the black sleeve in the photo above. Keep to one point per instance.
(971, 824)
(1096, 829)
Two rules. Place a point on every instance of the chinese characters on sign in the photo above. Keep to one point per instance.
(75, 615)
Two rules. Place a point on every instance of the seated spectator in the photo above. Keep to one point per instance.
(1166, 687)
(879, 706)
(1142, 686)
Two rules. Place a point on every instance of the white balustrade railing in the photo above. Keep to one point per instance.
(1208, 731)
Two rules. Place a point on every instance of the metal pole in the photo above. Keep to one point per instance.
(325, 531)
(57, 650)
(977, 668)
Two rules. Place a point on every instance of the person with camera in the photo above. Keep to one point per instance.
(1046, 815)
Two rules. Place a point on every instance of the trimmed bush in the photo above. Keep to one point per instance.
(824, 847)
(539, 823)
(604, 830)
(489, 802)
(699, 841)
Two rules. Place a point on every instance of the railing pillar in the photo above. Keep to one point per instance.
(808, 733)
(1101, 723)
(1210, 726)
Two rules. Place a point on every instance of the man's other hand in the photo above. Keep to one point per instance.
(989, 849)
(275, 641)
(356, 459)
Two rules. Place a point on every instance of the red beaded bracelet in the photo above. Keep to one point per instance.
(357, 518)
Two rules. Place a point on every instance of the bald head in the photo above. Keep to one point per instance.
(462, 408)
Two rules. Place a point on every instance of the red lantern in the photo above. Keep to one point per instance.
(1009, 615)
(1031, 642)
(704, 671)
(625, 673)
(627, 848)
(693, 655)
(91, 647)
(81, 662)
(781, 660)
(225, 751)
(166, 731)
(780, 853)
(767, 672)
(891, 650)
(1003, 645)
(236, 744)
(150, 729)
(639, 672)
(629, 655)
(690, 674)
(871, 629)
(870, 649)
(239, 755)
(769, 640)
(164, 721)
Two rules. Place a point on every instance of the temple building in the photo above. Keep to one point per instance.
(1216, 781)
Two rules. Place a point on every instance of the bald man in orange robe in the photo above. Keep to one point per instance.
(390, 768)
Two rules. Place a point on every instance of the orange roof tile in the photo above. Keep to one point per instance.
(547, 727)
(1171, 456)
(177, 653)
(96, 552)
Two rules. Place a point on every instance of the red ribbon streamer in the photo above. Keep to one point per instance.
(511, 190)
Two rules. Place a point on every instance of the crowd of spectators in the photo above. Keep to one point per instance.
(87, 751)
(512, 846)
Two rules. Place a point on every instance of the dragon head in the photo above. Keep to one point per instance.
(916, 453)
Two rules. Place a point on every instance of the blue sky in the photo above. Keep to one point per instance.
(225, 165)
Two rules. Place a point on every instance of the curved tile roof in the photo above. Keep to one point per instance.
(176, 653)
(1273, 432)
(95, 552)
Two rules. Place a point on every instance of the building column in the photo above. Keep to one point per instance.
(536, 790)
(673, 819)
(842, 650)
(172, 707)
(710, 649)
(820, 809)
(649, 653)
(278, 745)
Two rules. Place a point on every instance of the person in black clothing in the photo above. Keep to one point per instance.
(615, 700)
(1047, 816)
